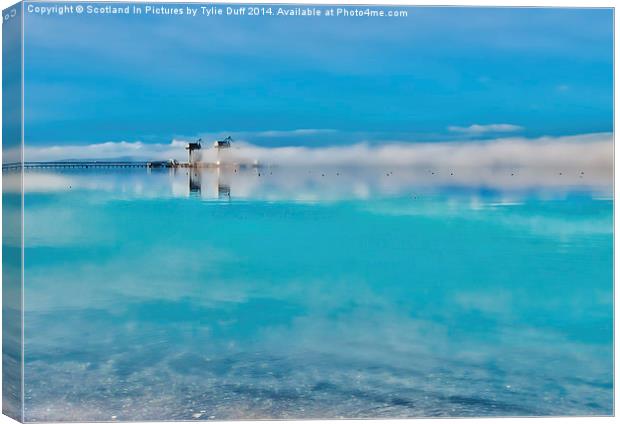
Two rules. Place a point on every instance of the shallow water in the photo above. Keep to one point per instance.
(315, 294)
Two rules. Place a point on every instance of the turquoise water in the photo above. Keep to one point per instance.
(161, 295)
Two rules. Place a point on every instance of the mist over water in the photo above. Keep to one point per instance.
(594, 151)
(327, 182)
(318, 292)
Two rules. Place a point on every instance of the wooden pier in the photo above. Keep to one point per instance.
(93, 164)
(127, 164)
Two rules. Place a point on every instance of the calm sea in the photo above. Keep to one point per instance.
(313, 293)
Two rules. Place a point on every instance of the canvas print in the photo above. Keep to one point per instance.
(300, 211)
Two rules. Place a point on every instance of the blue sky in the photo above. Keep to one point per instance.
(439, 74)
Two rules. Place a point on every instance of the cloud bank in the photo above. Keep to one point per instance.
(109, 150)
(584, 151)
(587, 151)
(477, 129)
(560, 164)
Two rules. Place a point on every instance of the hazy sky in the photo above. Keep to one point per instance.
(439, 74)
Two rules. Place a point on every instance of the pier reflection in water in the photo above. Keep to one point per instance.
(219, 189)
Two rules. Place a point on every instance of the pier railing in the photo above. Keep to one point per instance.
(85, 164)
(124, 164)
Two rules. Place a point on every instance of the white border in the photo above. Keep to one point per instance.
(489, 3)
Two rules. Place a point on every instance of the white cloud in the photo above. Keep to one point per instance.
(293, 133)
(583, 151)
(109, 150)
(569, 152)
(477, 129)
